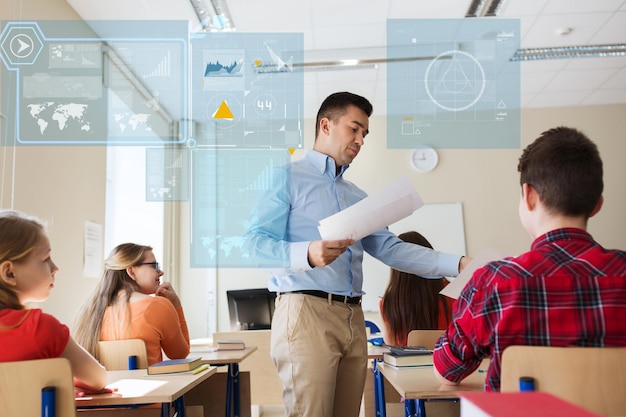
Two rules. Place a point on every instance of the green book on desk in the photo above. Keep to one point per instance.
(174, 365)
(408, 356)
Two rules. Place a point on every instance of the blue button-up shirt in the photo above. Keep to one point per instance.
(286, 222)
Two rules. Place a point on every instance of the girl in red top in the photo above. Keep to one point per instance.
(27, 275)
(411, 302)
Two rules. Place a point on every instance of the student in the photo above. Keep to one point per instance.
(566, 291)
(413, 303)
(27, 275)
(131, 303)
(318, 340)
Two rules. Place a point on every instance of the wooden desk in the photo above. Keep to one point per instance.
(421, 384)
(231, 358)
(376, 352)
(137, 387)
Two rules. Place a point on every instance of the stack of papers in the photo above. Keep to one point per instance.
(456, 285)
(394, 202)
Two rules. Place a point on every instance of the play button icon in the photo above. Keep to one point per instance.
(21, 45)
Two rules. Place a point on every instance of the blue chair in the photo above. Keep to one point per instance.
(372, 326)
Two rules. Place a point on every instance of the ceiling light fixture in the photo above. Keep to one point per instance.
(348, 64)
(214, 15)
(566, 52)
(481, 8)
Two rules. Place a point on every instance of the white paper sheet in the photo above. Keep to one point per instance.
(394, 202)
(456, 285)
(93, 252)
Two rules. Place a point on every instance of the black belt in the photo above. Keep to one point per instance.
(341, 298)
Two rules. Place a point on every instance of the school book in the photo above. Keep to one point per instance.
(230, 344)
(408, 356)
(174, 365)
(518, 404)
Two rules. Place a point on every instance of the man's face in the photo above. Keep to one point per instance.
(342, 140)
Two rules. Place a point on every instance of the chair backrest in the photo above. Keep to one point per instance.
(591, 377)
(113, 354)
(426, 338)
(372, 326)
(21, 383)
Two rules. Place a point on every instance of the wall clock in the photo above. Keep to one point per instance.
(424, 158)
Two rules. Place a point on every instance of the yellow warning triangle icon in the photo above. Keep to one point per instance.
(291, 151)
(223, 112)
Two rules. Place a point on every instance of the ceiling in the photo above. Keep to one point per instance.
(356, 29)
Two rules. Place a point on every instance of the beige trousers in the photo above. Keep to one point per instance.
(319, 348)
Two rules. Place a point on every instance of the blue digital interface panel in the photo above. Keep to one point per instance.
(94, 82)
(167, 173)
(227, 186)
(246, 91)
(451, 83)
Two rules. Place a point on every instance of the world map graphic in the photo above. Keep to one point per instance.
(60, 115)
(136, 121)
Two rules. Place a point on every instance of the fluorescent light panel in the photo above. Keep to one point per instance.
(481, 8)
(566, 52)
(214, 15)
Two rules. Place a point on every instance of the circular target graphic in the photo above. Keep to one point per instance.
(454, 80)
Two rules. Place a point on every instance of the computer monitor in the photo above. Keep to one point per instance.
(250, 309)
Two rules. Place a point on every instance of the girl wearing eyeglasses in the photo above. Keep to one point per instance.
(130, 302)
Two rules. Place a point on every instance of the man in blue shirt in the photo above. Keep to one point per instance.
(319, 341)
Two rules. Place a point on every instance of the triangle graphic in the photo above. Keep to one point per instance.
(223, 112)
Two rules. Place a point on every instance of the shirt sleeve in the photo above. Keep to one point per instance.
(411, 258)
(265, 240)
(465, 343)
(53, 336)
(171, 325)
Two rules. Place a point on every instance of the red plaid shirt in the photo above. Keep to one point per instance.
(567, 291)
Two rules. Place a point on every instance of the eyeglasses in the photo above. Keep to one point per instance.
(155, 264)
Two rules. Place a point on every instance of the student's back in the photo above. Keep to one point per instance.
(566, 291)
(30, 334)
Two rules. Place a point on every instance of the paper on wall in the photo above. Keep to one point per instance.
(456, 285)
(394, 202)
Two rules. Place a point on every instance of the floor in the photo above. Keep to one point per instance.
(274, 411)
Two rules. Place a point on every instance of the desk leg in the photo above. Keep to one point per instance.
(379, 392)
(179, 406)
(165, 410)
(234, 370)
(229, 391)
(414, 408)
(232, 390)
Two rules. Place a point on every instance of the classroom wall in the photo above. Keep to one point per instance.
(66, 186)
(63, 185)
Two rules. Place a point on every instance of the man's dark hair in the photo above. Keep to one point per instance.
(564, 167)
(335, 105)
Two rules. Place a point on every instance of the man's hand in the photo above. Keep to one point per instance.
(463, 262)
(324, 252)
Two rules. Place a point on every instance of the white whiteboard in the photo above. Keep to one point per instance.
(442, 224)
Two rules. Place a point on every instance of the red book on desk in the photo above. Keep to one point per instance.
(518, 404)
